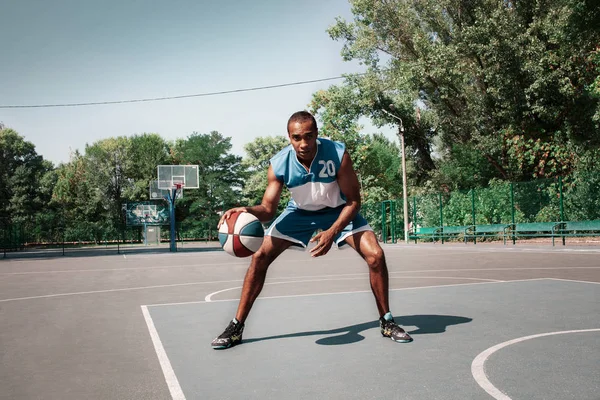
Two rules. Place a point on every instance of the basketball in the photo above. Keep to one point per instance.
(241, 235)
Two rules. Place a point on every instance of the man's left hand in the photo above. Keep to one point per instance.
(324, 241)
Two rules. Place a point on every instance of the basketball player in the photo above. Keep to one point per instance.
(325, 195)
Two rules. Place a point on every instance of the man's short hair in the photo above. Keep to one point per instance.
(302, 116)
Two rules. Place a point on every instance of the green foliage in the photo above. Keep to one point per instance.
(582, 196)
(80, 204)
(427, 212)
(340, 107)
(537, 201)
(461, 169)
(106, 163)
(261, 150)
(146, 152)
(338, 110)
(376, 159)
(21, 173)
(256, 161)
(82, 200)
(594, 88)
(478, 71)
(458, 208)
(493, 204)
(221, 179)
(379, 170)
(534, 201)
(372, 212)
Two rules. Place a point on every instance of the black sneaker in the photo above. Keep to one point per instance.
(393, 331)
(230, 337)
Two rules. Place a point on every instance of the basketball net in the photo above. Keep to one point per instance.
(178, 186)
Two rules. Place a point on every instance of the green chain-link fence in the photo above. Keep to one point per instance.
(573, 198)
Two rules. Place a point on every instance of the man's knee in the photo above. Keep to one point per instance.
(263, 258)
(375, 257)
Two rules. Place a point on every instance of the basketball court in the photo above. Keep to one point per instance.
(489, 321)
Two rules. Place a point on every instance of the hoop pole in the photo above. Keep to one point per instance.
(145, 233)
(172, 213)
(393, 220)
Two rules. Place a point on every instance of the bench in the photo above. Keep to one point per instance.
(489, 230)
(455, 231)
(536, 229)
(424, 233)
(579, 229)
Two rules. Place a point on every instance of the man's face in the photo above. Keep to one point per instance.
(303, 137)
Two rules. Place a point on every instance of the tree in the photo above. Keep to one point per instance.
(379, 169)
(256, 162)
(376, 159)
(146, 152)
(485, 71)
(91, 189)
(21, 170)
(340, 107)
(221, 178)
(82, 207)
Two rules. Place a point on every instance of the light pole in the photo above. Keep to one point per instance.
(404, 194)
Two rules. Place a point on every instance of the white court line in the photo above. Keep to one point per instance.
(154, 267)
(141, 288)
(506, 248)
(573, 280)
(163, 359)
(292, 277)
(213, 253)
(287, 261)
(120, 269)
(298, 277)
(114, 290)
(208, 298)
(478, 372)
(471, 250)
(393, 247)
(45, 296)
(183, 254)
(336, 293)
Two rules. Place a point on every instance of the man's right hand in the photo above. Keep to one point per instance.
(228, 213)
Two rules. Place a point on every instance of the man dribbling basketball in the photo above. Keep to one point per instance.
(325, 195)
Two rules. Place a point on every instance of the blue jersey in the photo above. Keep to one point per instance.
(317, 188)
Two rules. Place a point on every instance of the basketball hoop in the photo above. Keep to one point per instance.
(173, 178)
(178, 186)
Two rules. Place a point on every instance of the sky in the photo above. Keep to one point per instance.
(78, 51)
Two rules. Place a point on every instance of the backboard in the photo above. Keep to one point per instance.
(146, 213)
(156, 193)
(171, 175)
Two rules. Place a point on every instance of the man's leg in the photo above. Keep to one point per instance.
(253, 284)
(257, 272)
(365, 243)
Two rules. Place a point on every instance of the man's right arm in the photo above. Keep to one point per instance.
(267, 209)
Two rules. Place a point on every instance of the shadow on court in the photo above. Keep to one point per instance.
(426, 324)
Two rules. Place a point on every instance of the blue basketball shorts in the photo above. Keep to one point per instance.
(298, 226)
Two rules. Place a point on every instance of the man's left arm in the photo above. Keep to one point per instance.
(348, 183)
